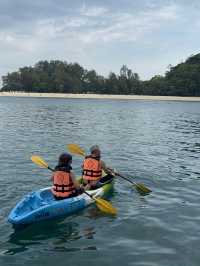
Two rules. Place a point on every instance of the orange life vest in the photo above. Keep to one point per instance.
(92, 169)
(62, 184)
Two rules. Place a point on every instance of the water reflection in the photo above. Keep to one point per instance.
(49, 235)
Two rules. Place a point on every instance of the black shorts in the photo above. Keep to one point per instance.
(104, 180)
(71, 196)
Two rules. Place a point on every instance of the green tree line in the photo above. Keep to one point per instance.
(62, 77)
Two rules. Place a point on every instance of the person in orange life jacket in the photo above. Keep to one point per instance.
(64, 182)
(92, 168)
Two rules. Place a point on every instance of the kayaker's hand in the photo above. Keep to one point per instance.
(112, 171)
(81, 189)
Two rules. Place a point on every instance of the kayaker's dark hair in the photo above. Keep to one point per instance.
(64, 159)
(94, 148)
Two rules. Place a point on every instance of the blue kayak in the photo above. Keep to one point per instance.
(41, 205)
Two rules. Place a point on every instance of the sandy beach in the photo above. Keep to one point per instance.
(99, 96)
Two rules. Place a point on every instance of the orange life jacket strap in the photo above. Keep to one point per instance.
(63, 188)
(92, 173)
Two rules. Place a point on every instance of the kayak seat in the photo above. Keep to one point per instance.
(46, 196)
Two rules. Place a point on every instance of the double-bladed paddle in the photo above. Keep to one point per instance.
(102, 204)
(75, 149)
(139, 186)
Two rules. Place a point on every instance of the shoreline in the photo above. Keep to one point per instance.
(98, 96)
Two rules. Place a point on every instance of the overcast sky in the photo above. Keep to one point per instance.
(145, 35)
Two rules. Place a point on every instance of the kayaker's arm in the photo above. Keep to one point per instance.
(106, 169)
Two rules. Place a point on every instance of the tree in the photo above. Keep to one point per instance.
(57, 76)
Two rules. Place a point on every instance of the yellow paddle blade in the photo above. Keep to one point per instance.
(105, 206)
(39, 161)
(74, 148)
(141, 187)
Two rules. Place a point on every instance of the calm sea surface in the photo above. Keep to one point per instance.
(157, 143)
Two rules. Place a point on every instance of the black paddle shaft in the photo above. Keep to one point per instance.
(51, 169)
(125, 178)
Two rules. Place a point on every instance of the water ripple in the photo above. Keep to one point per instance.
(154, 143)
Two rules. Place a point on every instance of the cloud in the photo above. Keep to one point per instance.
(94, 24)
(104, 26)
(81, 32)
(93, 11)
(4, 37)
(98, 24)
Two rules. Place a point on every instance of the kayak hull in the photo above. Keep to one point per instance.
(41, 205)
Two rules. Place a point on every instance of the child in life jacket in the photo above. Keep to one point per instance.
(64, 182)
(93, 167)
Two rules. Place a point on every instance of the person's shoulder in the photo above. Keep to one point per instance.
(102, 163)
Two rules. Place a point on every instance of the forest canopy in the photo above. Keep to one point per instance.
(62, 77)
